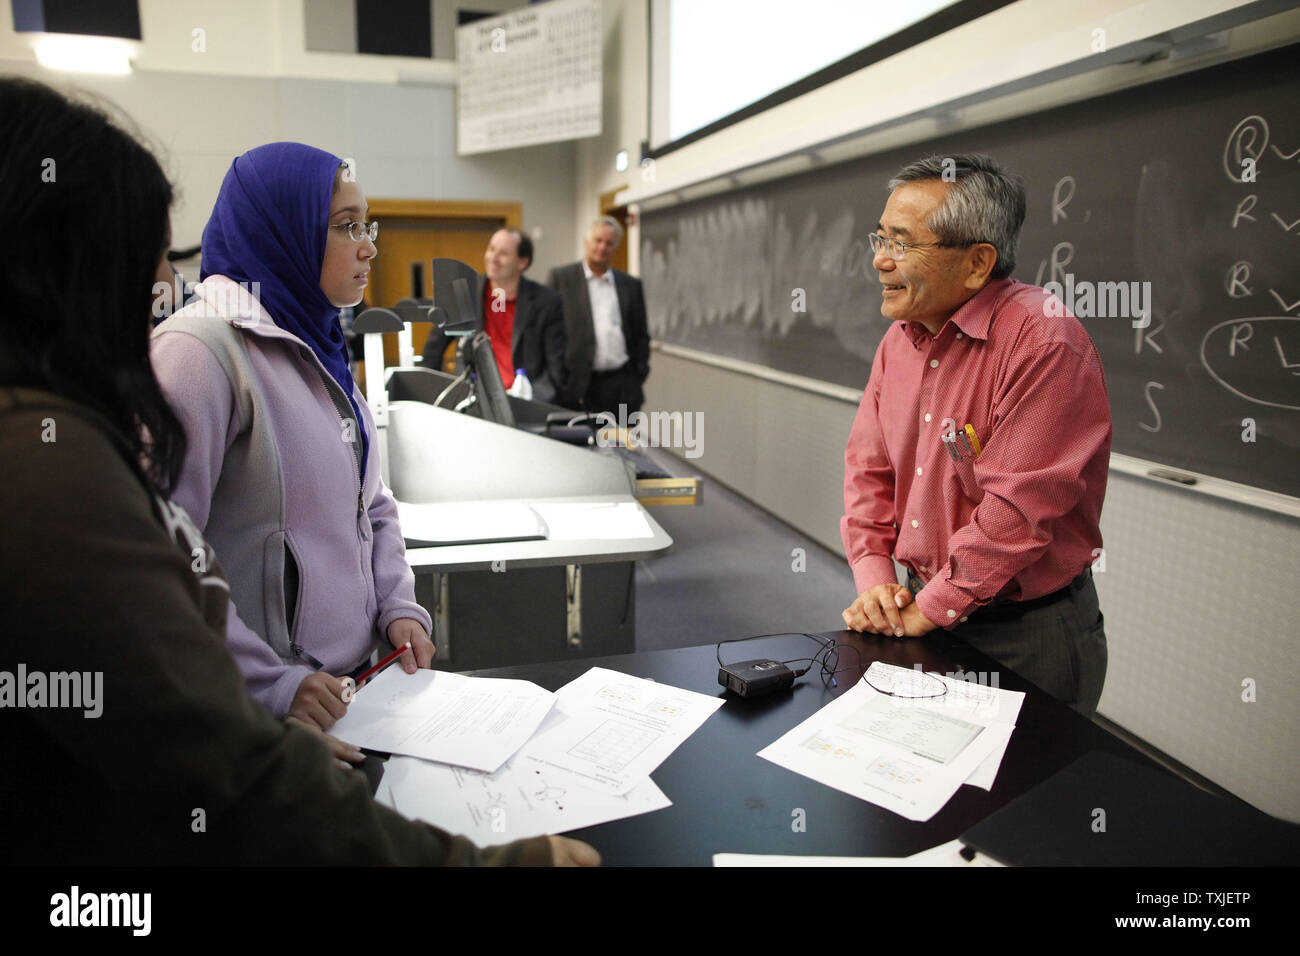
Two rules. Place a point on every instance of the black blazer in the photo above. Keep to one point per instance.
(538, 342)
(571, 282)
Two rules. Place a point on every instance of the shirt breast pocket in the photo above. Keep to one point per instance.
(964, 468)
(961, 459)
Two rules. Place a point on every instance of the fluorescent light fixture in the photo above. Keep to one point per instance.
(620, 161)
(84, 54)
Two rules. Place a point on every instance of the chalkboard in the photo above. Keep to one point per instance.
(1185, 191)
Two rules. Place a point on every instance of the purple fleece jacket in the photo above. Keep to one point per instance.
(271, 477)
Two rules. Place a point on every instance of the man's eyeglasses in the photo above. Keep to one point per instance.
(896, 248)
(356, 230)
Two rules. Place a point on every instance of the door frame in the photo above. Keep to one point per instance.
(512, 213)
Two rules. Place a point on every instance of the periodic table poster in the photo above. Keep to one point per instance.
(529, 76)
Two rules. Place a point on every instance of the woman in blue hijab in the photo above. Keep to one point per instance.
(279, 473)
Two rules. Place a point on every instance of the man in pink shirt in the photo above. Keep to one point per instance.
(979, 455)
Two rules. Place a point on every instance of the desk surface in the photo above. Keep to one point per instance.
(536, 554)
(727, 800)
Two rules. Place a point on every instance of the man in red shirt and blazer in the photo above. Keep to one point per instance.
(524, 319)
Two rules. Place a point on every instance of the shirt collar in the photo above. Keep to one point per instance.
(973, 318)
(976, 314)
(607, 277)
(916, 334)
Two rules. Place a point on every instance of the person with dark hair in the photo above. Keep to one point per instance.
(77, 272)
(280, 474)
(135, 740)
(979, 455)
(523, 320)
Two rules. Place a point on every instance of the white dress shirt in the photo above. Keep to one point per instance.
(611, 347)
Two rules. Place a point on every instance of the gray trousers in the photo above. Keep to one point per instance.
(1060, 647)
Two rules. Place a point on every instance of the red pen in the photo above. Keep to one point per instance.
(350, 686)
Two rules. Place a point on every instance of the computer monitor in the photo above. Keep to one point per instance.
(474, 354)
(453, 292)
(454, 284)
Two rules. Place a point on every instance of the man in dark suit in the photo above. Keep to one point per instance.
(608, 354)
(524, 320)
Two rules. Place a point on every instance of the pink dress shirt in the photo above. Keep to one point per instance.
(1018, 521)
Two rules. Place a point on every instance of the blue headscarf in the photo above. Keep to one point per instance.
(269, 226)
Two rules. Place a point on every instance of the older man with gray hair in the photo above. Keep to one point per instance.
(608, 352)
(979, 455)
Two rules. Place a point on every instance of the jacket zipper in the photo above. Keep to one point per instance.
(356, 468)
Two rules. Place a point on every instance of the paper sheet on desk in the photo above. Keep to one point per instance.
(603, 520)
(908, 755)
(617, 729)
(475, 722)
(1001, 708)
(468, 522)
(512, 804)
(946, 854)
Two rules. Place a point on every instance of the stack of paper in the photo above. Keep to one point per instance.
(617, 729)
(514, 760)
(907, 746)
(468, 522)
(475, 722)
(514, 803)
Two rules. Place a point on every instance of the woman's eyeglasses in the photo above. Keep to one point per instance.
(356, 230)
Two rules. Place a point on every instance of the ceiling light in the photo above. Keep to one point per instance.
(84, 54)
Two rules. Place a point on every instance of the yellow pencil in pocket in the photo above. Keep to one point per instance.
(974, 439)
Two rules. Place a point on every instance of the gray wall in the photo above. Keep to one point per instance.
(403, 139)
